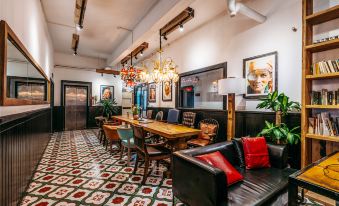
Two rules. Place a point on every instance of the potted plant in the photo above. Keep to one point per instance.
(279, 132)
(109, 107)
(135, 112)
(280, 104)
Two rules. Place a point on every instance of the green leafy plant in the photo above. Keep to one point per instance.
(135, 110)
(109, 107)
(278, 103)
(280, 134)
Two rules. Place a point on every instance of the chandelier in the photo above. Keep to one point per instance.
(163, 70)
(130, 75)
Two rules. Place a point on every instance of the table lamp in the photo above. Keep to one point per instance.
(231, 86)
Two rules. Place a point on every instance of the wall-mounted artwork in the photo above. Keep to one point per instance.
(106, 92)
(152, 92)
(166, 91)
(261, 76)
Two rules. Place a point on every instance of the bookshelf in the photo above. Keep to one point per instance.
(310, 144)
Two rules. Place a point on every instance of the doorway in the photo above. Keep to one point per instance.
(76, 100)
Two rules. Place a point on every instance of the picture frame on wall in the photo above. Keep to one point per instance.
(152, 92)
(167, 91)
(106, 92)
(261, 74)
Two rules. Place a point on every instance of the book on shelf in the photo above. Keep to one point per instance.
(323, 124)
(325, 67)
(325, 97)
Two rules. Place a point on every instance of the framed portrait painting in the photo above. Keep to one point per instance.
(152, 92)
(261, 76)
(167, 91)
(106, 92)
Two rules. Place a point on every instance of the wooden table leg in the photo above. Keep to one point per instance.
(292, 194)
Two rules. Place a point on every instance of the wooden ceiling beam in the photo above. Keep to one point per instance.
(182, 18)
(135, 52)
(75, 42)
(79, 12)
(107, 71)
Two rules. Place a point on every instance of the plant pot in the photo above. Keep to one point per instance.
(135, 117)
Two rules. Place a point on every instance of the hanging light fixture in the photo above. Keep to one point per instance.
(163, 69)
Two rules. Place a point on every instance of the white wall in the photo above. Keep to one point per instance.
(85, 72)
(231, 40)
(28, 22)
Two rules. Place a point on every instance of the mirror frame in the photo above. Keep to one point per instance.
(5, 32)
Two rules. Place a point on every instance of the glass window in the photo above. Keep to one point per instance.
(200, 90)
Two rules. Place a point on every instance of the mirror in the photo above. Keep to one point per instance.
(25, 80)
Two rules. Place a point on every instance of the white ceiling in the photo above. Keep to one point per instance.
(100, 35)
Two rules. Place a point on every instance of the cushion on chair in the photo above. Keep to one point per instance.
(256, 152)
(216, 159)
(199, 142)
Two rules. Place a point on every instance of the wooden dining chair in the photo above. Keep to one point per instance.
(127, 141)
(111, 136)
(188, 119)
(149, 152)
(209, 131)
(159, 116)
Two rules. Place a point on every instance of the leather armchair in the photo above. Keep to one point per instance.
(197, 183)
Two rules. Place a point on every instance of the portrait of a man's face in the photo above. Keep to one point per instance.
(167, 91)
(106, 92)
(152, 92)
(260, 74)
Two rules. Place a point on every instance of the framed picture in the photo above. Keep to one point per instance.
(261, 76)
(167, 91)
(152, 92)
(106, 92)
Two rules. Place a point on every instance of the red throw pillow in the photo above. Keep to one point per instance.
(216, 159)
(256, 152)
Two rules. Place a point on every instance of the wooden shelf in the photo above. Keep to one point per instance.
(322, 137)
(322, 106)
(323, 46)
(324, 76)
(323, 16)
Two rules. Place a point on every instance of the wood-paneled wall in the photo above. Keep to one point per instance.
(23, 139)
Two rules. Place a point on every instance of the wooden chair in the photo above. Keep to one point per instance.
(127, 141)
(149, 152)
(188, 119)
(100, 122)
(112, 136)
(209, 131)
(173, 116)
(159, 116)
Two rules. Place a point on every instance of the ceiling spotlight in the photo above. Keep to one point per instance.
(114, 76)
(141, 53)
(136, 57)
(165, 37)
(102, 74)
(75, 53)
(181, 28)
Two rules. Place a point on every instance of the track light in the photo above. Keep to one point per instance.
(181, 28)
(136, 57)
(141, 53)
(165, 38)
(75, 53)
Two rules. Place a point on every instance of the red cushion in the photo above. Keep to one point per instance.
(216, 159)
(256, 152)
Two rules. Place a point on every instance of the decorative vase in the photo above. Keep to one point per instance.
(135, 117)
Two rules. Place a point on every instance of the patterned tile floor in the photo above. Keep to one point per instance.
(77, 170)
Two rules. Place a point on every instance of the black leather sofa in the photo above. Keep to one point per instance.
(196, 183)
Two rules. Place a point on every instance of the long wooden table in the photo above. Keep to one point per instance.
(173, 133)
